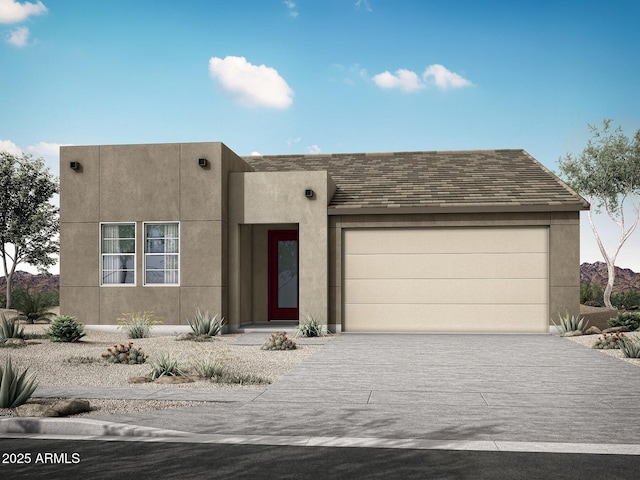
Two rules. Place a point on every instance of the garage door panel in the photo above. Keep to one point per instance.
(483, 279)
(425, 265)
(438, 240)
(450, 291)
(448, 318)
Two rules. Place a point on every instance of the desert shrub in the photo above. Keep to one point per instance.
(65, 329)
(625, 300)
(138, 324)
(165, 366)
(128, 354)
(279, 341)
(10, 328)
(591, 294)
(32, 307)
(81, 359)
(609, 341)
(15, 388)
(240, 379)
(571, 323)
(625, 319)
(204, 324)
(209, 368)
(310, 328)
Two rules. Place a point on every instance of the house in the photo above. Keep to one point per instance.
(464, 241)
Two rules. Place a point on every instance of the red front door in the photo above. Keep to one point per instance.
(283, 274)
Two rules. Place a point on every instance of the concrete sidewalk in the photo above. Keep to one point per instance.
(517, 392)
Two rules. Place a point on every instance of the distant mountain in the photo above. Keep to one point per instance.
(37, 283)
(626, 279)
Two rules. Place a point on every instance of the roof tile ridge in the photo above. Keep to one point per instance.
(557, 179)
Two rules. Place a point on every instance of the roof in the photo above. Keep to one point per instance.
(424, 182)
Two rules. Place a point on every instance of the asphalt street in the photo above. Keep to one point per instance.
(101, 459)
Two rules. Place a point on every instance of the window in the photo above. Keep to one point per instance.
(161, 253)
(118, 250)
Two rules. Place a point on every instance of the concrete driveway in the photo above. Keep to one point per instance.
(504, 392)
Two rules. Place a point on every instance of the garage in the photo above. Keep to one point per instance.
(455, 279)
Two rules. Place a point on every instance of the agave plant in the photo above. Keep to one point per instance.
(165, 366)
(571, 323)
(15, 389)
(310, 328)
(630, 347)
(204, 324)
(10, 328)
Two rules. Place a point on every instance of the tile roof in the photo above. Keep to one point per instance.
(486, 180)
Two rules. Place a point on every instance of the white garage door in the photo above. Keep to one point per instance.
(482, 279)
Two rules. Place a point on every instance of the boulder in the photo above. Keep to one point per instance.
(574, 333)
(593, 331)
(173, 379)
(35, 410)
(186, 336)
(616, 329)
(71, 406)
(14, 342)
(139, 380)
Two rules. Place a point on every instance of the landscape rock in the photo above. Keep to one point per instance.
(71, 406)
(15, 342)
(35, 410)
(139, 380)
(593, 331)
(186, 336)
(171, 379)
(616, 329)
(574, 333)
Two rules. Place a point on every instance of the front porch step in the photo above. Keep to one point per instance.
(268, 327)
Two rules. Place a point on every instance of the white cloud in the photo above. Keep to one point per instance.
(314, 149)
(10, 147)
(45, 149)
(291, 7)
(405, 80)
(364, 4)
(255, 153)
(408, 81)
(13, 12)
(443, 78)
(18, 37)
(251, 85)
(291, 141)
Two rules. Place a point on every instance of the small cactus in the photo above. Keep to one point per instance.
(128, 354)
(279, 341)
(609, 341)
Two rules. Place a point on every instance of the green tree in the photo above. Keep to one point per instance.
(29, 223)
(607, 173)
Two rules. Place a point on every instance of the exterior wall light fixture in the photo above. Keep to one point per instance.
(203, 162)
(309, 193)
(74, 166)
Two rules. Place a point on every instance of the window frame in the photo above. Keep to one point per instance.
(147, 254)
(134, 254)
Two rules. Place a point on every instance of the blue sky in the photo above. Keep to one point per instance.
(321, 76)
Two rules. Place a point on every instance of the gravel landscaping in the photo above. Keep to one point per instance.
(70, 364)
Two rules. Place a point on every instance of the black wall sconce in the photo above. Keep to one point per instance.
(203, 162)
(74, 166)
(309, 193)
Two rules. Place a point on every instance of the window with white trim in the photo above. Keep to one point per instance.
(161, 253)
(118, 251)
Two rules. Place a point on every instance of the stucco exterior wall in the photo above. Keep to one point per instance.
(145, 183)
(278, 198)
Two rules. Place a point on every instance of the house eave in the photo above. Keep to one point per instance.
(391, 210)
